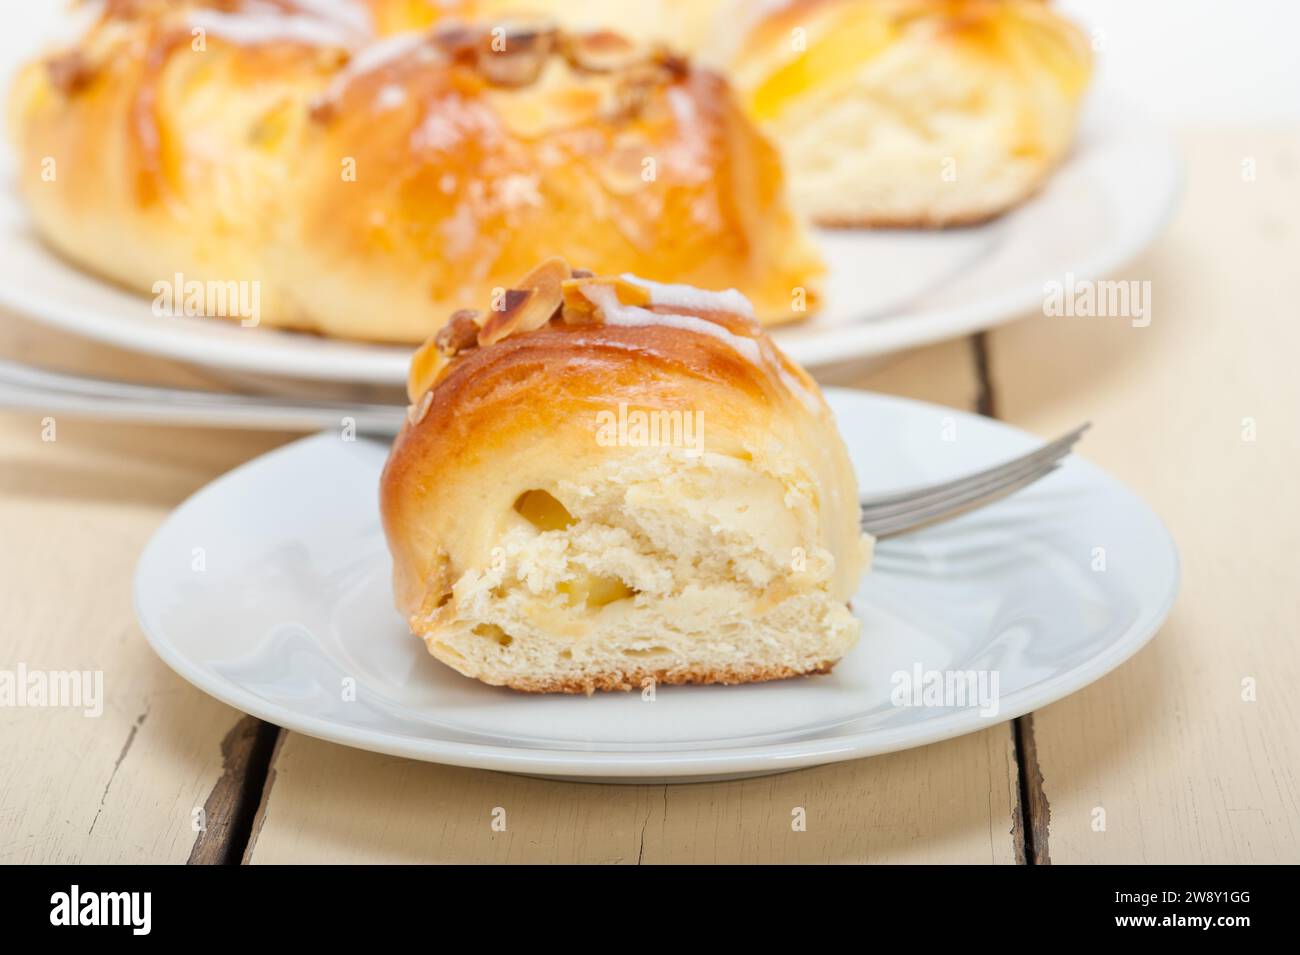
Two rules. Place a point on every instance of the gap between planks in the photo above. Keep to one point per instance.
(1032, 811)
(234, 804)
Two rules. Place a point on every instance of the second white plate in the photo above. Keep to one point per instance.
(289, 616)
(888, 290)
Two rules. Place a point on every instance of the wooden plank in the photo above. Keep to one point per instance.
(1184, 766)
(951, 802)
(74, 514)
(944, 374)
(954, 801)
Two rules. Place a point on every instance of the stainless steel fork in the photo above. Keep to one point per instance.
(891, 514)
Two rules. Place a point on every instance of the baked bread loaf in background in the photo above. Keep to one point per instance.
(611, 482)
(372, 184)
(888, 112)
(914, 112)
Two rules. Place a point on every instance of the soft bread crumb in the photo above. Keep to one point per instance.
(671, 569)
(923, 137)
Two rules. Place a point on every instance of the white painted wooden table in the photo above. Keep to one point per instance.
(1166, 751)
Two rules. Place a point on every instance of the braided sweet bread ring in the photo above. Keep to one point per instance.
(369, 186)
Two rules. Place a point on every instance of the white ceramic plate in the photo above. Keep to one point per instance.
(294, 600)
(887, 290)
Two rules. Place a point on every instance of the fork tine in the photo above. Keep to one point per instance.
(956, 502)
(968, 490)
(934, 515)
(1049, 450)
(879, 508)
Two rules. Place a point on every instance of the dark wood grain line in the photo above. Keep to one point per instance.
(1019, 799)
(230, 808)
(1032, 812)
(126, 748)
(985, 398)
(1033, 799)
(263, 797)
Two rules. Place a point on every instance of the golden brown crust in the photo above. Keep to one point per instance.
(829, 78)
(499, 426)
(489, 404)
(640, 678)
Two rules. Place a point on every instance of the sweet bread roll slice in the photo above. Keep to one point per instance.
(913, 112)
(366, 186)
(612, 482)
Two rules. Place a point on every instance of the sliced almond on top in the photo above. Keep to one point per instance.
(601, 51)
(506, 321)
(460, 333)
(547, 278)
(70, 72)
(676, 65)
(529, 306)
(456, 39)
(426, 363)
(415, 413)
(514, 54)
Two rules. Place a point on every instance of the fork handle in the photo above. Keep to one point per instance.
(34, 389)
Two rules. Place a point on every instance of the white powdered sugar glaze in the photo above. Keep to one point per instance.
(390, 97)
(688, 156)
(348, 14)
(695, 299)
(807, 398)
(376, 55)
(251, 29)
(616, 313)
(666, 295)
